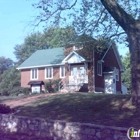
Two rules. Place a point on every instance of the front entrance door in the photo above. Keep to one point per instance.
(78, 75)
(110, 83)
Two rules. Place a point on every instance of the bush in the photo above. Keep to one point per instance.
(56, 85)
(19, 90)
(52, 86)
(4, 109)
(26, 91)
(16, 91)
(48, 86)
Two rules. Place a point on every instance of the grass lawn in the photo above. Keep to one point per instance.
(110, 110)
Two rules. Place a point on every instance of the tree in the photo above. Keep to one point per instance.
(31, 43)
(126, 74)
(105, 17)
(10, 81)
(131, 26)
(53, 37)
(5, 64)
(57, 37)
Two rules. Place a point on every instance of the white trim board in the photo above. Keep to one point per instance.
(41, 66)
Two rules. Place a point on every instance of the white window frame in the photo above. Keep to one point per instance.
(99, 68)
(117, 74)
(64, 74)
(46, 73)
(32, 76)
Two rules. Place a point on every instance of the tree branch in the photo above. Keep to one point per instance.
(116, 34)
(68, 8)
(123, 19)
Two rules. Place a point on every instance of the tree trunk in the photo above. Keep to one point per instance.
(134, 47)
(132, 29)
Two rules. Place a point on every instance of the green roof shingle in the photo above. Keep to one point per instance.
(44, 57)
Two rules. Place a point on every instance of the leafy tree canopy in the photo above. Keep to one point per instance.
(10, 81)
(126, 78)
(53, 37)
(5, 64)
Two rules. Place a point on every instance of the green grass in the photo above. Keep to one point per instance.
(110, 110)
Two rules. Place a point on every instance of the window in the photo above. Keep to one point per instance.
(117, 75)
(49, 72)
(99, 68)
(34, 74)
(62, 71)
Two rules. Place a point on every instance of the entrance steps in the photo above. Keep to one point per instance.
(74, 88)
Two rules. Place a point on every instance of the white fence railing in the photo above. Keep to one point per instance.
(76, 80)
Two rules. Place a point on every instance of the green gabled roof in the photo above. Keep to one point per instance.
(43, 58)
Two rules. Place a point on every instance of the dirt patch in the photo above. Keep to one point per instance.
(15, 103)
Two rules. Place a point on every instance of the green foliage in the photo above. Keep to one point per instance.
(57, 36)
(26, 91)
(10, 81)
(52, 86)
(19, 90)
(5, 64)
(31, 43)
(4, 109)
(126, 77)
(53, 37)
(48, 86)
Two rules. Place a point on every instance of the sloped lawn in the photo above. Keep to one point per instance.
(110, 110)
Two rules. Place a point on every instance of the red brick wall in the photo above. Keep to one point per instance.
(99, 80)
(25, 76)
(109, 60)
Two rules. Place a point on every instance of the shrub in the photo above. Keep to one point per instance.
(16, 91)
(4, 109)
(48, 86)
(19, 90)
(56, 85)
(26, 91)
(52, 86)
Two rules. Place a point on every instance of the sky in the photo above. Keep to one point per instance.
(15, 19)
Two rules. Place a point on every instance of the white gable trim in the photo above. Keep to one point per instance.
(73, 57)
(118, 58)
(106, 53)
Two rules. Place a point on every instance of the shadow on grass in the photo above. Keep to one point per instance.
(86, 108)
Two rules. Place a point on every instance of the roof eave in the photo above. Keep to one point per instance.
(41, 66)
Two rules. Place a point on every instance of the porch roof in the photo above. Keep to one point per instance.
(36, 83)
